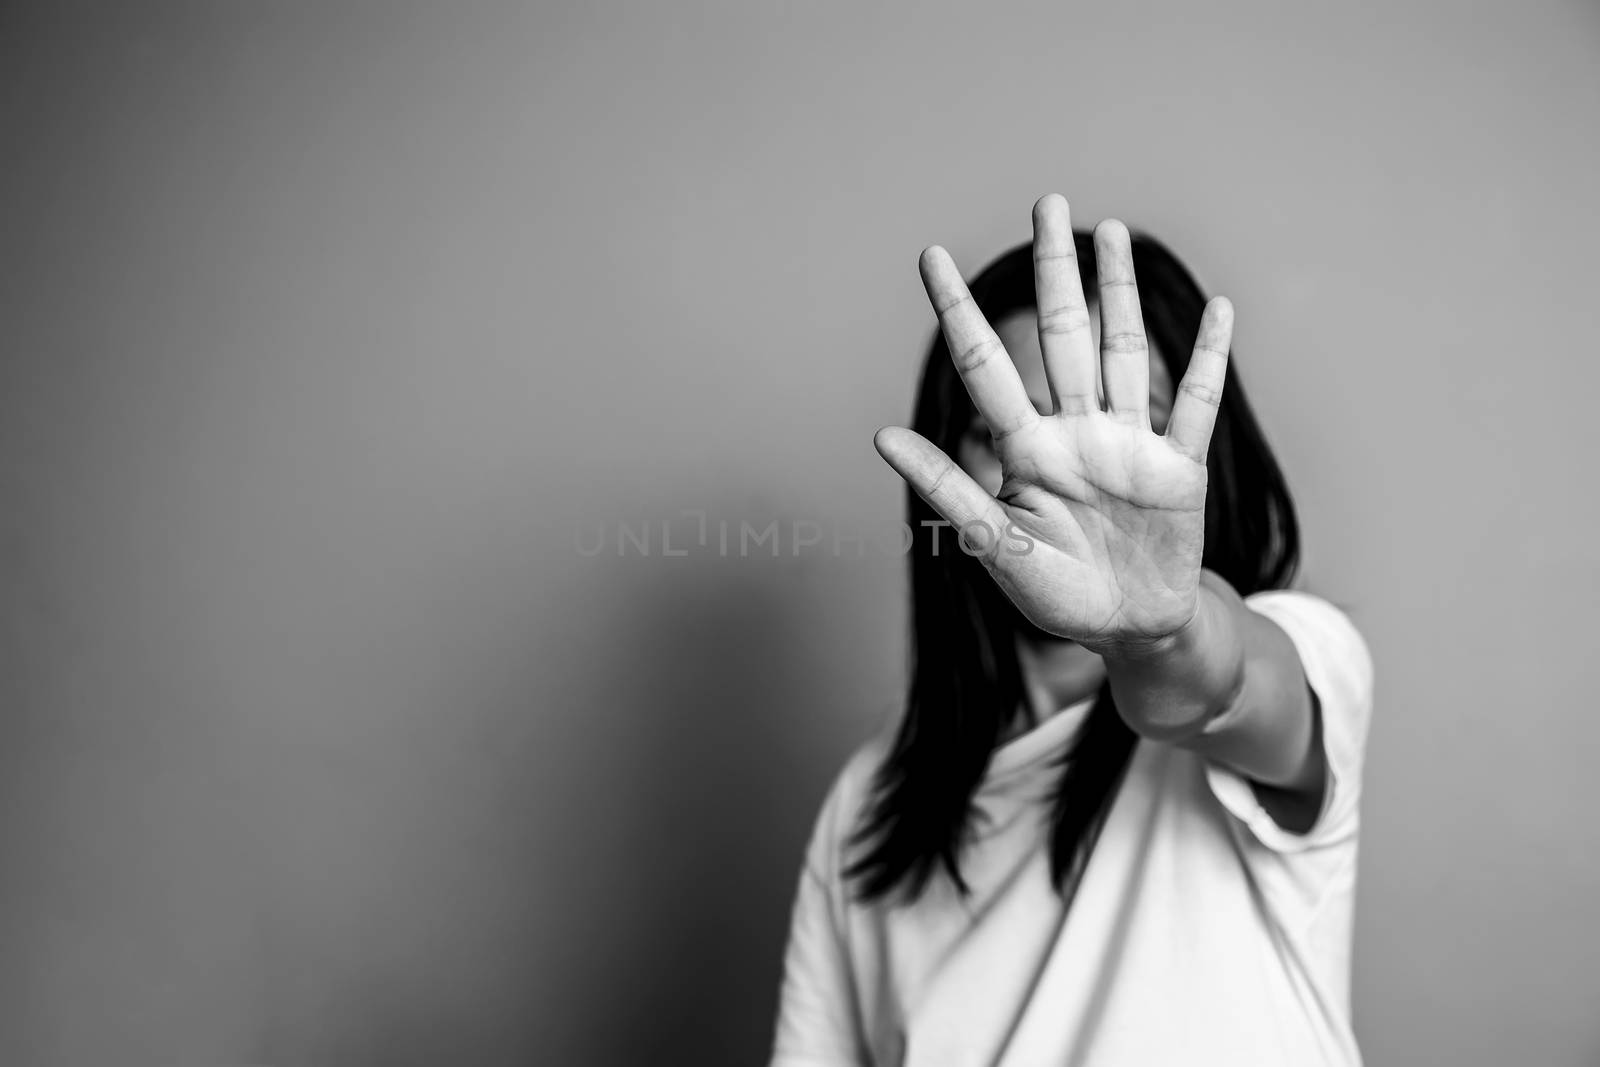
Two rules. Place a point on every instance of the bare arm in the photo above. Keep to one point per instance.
(1230, 686)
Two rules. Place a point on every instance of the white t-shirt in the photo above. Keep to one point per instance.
(1200, 933)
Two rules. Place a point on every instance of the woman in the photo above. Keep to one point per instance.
(1117, 824)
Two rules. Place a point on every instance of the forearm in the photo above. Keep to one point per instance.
(1229, 685)
(1170, 691)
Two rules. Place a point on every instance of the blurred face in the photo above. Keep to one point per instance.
(1019, 332)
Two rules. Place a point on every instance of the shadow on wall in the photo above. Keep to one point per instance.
(698, 848)
(578, 847)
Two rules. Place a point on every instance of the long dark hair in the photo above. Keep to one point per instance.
(966, 684)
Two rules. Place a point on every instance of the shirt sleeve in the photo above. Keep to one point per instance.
(1338, 668)
(817, 1019)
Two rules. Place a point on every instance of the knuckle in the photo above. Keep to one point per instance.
(949, 306)
(1124, 343)
(1067, 319)
(1206, 393)
(976, 354)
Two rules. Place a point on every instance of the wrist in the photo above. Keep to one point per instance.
(1153, 650)
(1176, 683)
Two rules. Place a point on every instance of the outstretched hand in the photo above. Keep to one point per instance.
(1115, 512)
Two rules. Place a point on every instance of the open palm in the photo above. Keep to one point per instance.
(1111, 515)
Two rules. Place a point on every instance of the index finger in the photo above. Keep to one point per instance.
(981, 360)
(1194, 411)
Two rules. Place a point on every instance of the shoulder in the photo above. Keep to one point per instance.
(848, 795)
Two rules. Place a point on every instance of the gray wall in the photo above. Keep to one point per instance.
(323, 325)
